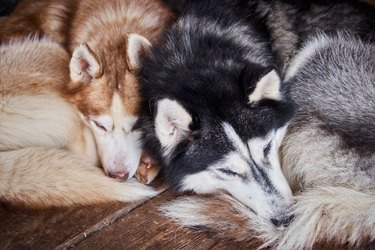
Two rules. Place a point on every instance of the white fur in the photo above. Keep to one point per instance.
(171, 124)
(203, 182)
(83, 64)
(31, 110)
(180, 211)
(196, 212)
(268, 87)
(246, 190)
(118, 147)
(338, 213)
(280, 134)
(236, 140)
(136, 43)
(309, 50)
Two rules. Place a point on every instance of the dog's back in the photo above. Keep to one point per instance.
(291, 22)
(329, 149)
(100, 23)
(27, 83)
(332, 82)
(38, 18)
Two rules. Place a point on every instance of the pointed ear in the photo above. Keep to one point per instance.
(171, 124)
(83, 65)
(267, 87)
(137, 46)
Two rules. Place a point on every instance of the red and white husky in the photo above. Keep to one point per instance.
(107, 40)
(50, 150)
(48, 156)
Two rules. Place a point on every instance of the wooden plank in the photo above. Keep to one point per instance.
(49, 228)
(145, 228)
(229, 245)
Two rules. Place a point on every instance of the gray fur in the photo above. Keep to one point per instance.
(291, 22)
(329, 149)
(334, 91)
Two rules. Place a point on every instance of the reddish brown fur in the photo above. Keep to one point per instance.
(38, 18)
(229, 223)
(104, 26)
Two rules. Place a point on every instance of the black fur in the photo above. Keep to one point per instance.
(210, 73)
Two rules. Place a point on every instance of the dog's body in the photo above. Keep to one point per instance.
(48, 156)
(327, 154)
(207, 91)
(107, 40)
(38, 18)
(332, 80)
(291, 22)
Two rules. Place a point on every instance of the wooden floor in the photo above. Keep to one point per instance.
(107, 226)
(110, 226)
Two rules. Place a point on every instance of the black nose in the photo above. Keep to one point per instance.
(283, 221)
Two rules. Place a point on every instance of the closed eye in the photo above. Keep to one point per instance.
(229, 172)
(99, 125)
(266, 149)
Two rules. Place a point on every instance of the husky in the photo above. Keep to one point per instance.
(327, 154)
(48, 156)
(332, 81)
(292, 22)
(38, 18)
(107, 40)
(214, 111)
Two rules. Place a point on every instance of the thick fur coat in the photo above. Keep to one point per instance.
(327, 154)
(48, 155)
(50, 18)
(212, 92)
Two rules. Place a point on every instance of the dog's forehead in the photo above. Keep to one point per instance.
(234, 138)
(252, 122)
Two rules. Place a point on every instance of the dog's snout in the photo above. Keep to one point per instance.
(120, 175)
(283, 221)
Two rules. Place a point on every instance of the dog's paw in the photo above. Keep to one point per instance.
(147, 170)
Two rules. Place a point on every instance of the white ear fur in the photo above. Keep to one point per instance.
(171, 124)
(136, 44)
(83, 64)
(268, 87)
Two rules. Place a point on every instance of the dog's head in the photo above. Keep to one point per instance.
(221, 130)
(104, 87)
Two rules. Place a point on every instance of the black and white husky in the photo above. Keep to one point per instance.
(215, 111)
(328, 154)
